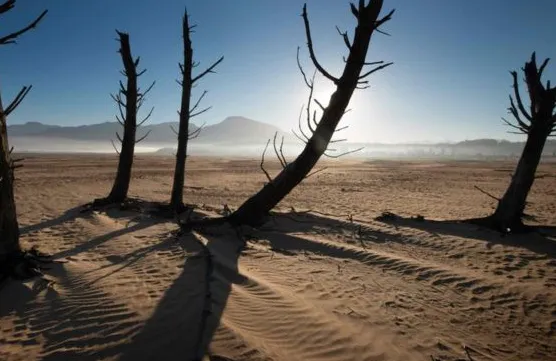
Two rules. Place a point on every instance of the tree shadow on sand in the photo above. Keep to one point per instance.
(76, 321)
(186, 317)
(68, 216)
(115, 211)
(542, 239)
(75, 318)
(542, 242)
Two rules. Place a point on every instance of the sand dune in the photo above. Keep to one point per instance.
(307, 286)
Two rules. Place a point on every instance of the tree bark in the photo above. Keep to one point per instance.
(9, 228)
(254, 211)
(176, 200)
(186, 112)
(509, 212)
(123, 176)
(538, 123)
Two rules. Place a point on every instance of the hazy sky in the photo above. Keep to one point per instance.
(449, 81)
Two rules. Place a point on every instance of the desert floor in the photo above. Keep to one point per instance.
(307, 286)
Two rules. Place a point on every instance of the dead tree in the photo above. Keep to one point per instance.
(13, 261)
(538, 123)
(186, 112)
(129, 99)
(255, 209)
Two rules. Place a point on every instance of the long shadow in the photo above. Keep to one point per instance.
(69, 215)
(85, 323)
(97, 241)
(80, 211)
(542, 242)
(188, 314)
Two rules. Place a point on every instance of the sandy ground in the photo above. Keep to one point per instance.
(312, 286)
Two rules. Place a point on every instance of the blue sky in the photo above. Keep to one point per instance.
(449, 81)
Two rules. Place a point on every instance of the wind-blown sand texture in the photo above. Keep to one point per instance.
(308, 286)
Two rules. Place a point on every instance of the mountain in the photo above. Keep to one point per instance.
(94, 132)
(231, 130)
(241, 130)
(29, 129)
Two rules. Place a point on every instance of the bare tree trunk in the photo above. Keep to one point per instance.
(9, 228)
(538, 124)
(186, 113)
(129, 100)
(123, 176)
(12, 260)
(510, 209)
(256, 208)
(176, 200)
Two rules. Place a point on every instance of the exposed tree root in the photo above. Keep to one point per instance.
(491, 222)
(128, 204)
(23, 265)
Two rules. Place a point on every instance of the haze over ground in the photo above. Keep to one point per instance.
(239, 136)
(449, 81)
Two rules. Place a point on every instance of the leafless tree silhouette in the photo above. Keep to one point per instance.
(13, 261)
(538, 123)
(255, 209)
(187, 111)
(129, 99)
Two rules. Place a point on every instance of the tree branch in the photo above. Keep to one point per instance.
(522, 130)
(11, 38)
(316, 172)
(518, 98)
(342, 154)
(7, 6)
(115, 148)
(198, 101)
(301, 127)
(143, 94)
(17, 100)
(143, 137)
(319, 104)
(200, 112)
(312, 51)
(194, 134)
(344, 36)
(279, 155)
(209, 70)
(262, 163)
(380, 67)
(121, 105)
(386, 18)
(147, 117)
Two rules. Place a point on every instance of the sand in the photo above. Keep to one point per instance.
(307, 286)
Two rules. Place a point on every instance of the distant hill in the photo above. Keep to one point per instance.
(240, 130)
(94, 132)
(238, 135)
(231, 130)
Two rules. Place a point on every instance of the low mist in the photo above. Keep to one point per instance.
(476, 149)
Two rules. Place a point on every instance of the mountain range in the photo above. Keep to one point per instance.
(234, 129)
(234, 135)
